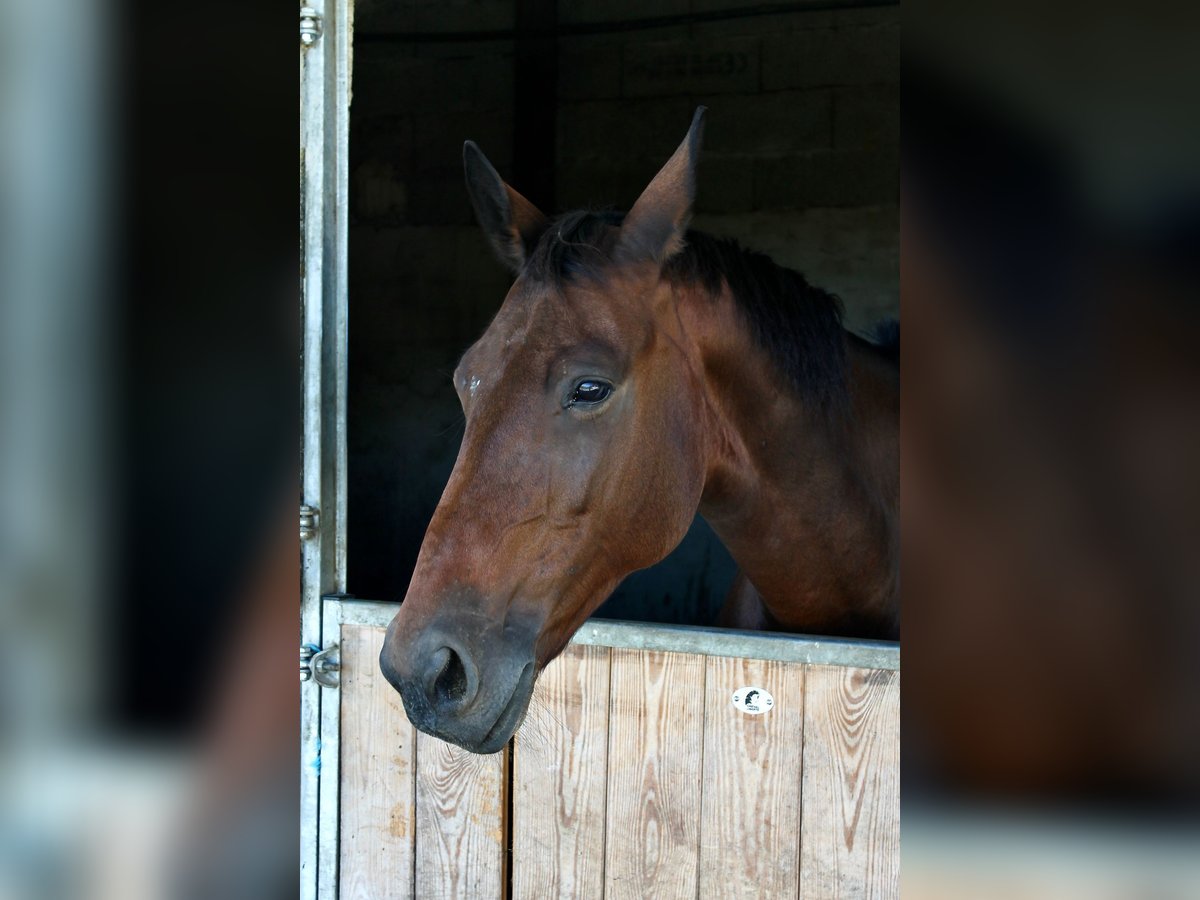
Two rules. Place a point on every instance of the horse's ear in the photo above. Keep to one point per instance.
(512, 224)
(654, 228)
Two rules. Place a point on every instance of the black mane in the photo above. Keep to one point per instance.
(798, 325)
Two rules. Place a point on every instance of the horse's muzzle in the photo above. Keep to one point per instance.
(463, 678)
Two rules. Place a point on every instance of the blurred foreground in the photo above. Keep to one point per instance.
(149, 567)
(1051, 428)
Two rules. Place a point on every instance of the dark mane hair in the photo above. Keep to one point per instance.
(798, 325)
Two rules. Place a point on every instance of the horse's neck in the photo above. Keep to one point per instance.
(807, 508)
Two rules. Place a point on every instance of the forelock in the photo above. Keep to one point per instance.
(575, 246)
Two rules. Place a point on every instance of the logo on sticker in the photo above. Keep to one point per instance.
(753, 700)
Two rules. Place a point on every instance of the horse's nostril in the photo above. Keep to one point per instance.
(450, 685)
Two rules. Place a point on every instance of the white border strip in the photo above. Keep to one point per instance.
(809, 649)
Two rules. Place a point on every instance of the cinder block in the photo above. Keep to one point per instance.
(391, 83)
(367, 243)
(615, 130)
(726, 184)
(395, 284)
(871, 15)
(456, 15)
(836, 56)
(431, 84)
(384, 138)
(456, 307)
(471, 82)
(378, 193)
(439, 197)
(493, 87)
(373, 16)
(381, 256)
(827, 179)
(778, 122)
(710, 66)
(473, 255)
(589, 68)
(378, 317)
(484, 300)
(438, 138)
(380, 82)
(447, 50)
(867, 117)
(763, 25)
(475, 264)
(721, 5)
(575, 12)
(598, 183)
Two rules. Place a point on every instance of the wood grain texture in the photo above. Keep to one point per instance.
(750, 822)
(655, 747)
(559, 780)
(850, 840)
(461, 822)
(378, 812)
(634, 776)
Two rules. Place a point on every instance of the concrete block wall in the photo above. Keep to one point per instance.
(801, 153)
(800, 161)
(423, 283)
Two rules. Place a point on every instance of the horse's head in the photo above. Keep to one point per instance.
(579, 463)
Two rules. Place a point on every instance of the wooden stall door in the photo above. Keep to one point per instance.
(634, 775)
(419, 818)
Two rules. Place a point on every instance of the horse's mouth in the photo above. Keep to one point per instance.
(511, 716)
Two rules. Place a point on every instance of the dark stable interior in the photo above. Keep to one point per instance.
(577, 105)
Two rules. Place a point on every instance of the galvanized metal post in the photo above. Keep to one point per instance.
(325, 28)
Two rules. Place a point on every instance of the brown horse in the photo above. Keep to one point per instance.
(636, 374)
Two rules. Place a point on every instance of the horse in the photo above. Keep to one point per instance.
(638, 373)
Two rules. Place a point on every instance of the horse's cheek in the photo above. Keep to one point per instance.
(667, 488)
(684, 455)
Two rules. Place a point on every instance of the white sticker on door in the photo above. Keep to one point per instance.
(753, 700)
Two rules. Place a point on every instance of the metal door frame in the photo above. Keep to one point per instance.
(325, 69)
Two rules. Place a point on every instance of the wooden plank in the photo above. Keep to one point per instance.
(559, 780)
(850, 840)
(461, 822)
(655, 747)
(378, 812)
(750, 822)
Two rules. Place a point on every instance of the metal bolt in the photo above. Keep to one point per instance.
(306, 655)
(310, 26)
(309, 516)
(326, 666)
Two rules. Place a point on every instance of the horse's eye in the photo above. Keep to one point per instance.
(590, 392)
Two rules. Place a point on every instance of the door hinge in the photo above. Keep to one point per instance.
(309, 516)
(321, 666)
(310, 26)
